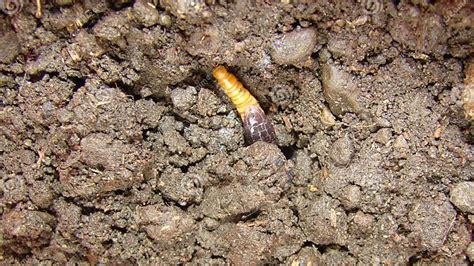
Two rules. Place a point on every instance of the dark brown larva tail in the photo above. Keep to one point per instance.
(257, 127)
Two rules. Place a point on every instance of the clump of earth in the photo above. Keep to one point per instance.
(118, 147)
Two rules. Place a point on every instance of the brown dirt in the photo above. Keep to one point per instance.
(117, 146)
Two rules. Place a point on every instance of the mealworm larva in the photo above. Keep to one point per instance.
(257, 127)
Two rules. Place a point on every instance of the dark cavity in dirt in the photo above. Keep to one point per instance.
(117, 147)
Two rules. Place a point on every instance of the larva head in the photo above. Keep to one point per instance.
(220, 73)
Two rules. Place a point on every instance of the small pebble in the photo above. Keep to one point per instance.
(462, 196)
(324, 55)
(400, 142)
(339, 90)
(184, 99)
(146, 13)
(342, 151)
(210, 224)
(383, 136)
(363, 221)
(351, 196)
(382, 122)
(470, 251)
(327, 118)
(312, 188)
(295, 47)
(165, 20)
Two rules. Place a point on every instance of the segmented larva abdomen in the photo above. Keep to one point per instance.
(257, 127)
(239, 96)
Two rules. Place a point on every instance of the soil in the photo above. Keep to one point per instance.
(118, 147)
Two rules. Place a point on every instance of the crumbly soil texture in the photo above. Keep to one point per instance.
(117, 146)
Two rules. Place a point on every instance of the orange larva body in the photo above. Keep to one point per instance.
(257, 127)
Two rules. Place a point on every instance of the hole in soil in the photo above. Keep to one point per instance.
(288, 151)
(123, 192)
(88, 210)
(308, 243)
(10, 251)
(178, 118)
(100, 168)
(200, 79)
(415, 258)
(107, 244)
(117, 5)
(120, 229)
(87, 20)
(217, 257)
(184, 168)
(40, 75)
(325, 248)
(149, 132)
(402, 230)
(127, 89)
(145, 135)
(250, 216)
(78, 83)
(56, 175)
(244, 217)
(295, 24)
